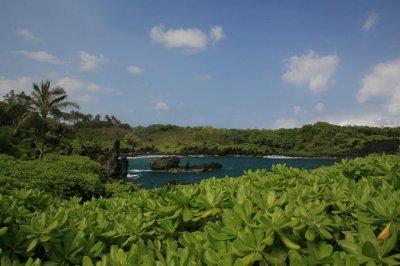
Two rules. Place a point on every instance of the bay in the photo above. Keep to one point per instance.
(233, 166)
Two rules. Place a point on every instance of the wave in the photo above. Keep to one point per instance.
(145, 156)
(166, 155)
(132, 176)
(139, 170)
(282, 157)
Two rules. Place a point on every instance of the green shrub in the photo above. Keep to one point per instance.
(286, 216)
(63, 176)
(119, 189)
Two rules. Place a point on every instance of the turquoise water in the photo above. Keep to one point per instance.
(232, 166)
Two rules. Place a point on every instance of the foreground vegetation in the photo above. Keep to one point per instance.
(347, 214)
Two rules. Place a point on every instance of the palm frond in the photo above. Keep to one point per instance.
(57, 91)
(57, 100)
(63, 105)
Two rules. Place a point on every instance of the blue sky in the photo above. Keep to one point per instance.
(234, 64)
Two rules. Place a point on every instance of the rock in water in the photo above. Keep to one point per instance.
(207, 166)
(117, 167)
(164, 163)
(171, 164)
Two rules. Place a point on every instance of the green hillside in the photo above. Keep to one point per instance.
(26, 134)
(320, 139)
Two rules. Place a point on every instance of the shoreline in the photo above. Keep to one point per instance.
(272, 156)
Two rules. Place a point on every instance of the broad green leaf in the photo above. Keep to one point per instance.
(184, 256)
(168, 209)
(247, 260)
(310, 234)
(325, 250)
(226, 260)
(370, 250)
(45, 238)
(5, 261)
(3, 230)
(389, 243)
(32, 245)
(211, 256)
(241, 194)
(390, 261)
(97, 248)
(148, 260)
(370, 263)
(269, 238)
(350, 247)
(325, 233)
(271, 197)
(296, 259)
(86, 261)
(187, 215)
(289, 243)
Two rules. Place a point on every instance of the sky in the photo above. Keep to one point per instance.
(231, 64)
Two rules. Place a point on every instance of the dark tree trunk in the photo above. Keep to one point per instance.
(43, 137)
(43, 144)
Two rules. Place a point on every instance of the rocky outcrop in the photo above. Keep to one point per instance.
(117, 167)
(171, 164)
(207, 166)
(164, 163)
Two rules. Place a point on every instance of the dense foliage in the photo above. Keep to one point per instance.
(61, 176)
(31, 125)
(320, 139)
(348, 214)
(93, 135)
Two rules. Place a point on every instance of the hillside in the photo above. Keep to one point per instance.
(320, 139)
(317, 140)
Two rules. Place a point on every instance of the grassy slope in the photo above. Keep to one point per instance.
(103, 137)
(320, 139)
(317, 140)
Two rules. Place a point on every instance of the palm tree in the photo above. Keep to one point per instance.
(45, 101)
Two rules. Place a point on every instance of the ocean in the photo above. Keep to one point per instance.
(233, 166)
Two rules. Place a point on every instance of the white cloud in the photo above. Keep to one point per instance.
(383, 81)
(135, 70)
(179, 38)
(319, 107)
(202, 77)
(216, 34)
(93, 87)
(69, 84)
(190, 39)
(160, 105)
(40, 56)
(371, 22)
(297, 110)
(311, 69)
(374, 119)
(23, 83)
(90, 61)
(27, 35)
(285, 123)
(87, 98)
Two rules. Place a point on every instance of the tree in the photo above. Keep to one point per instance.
(131, 140)
(45, 101)
(15, 107)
